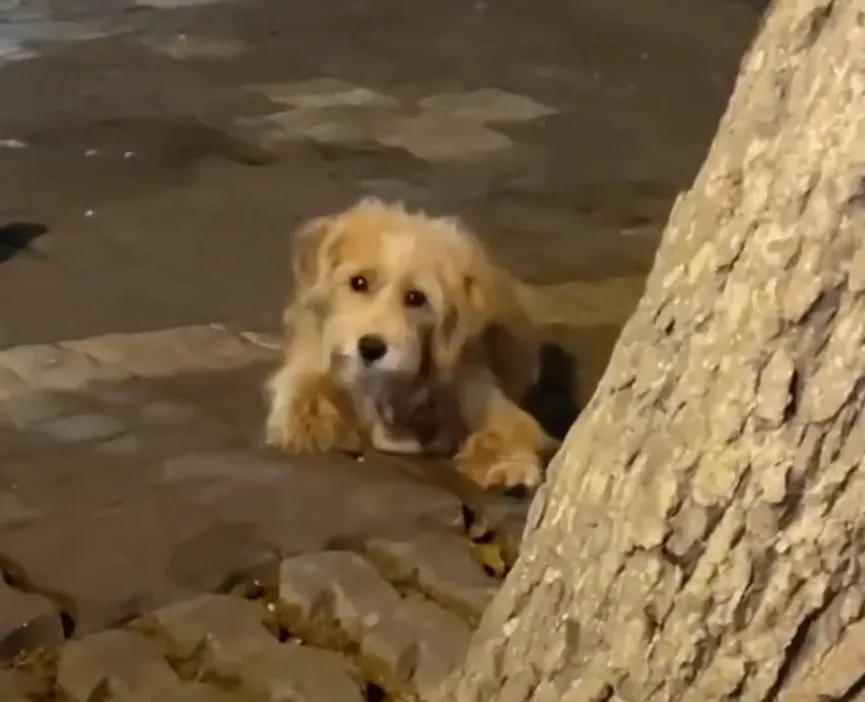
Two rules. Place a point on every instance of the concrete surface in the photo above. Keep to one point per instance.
(169, 147)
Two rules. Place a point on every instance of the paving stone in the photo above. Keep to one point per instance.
(442, 565)
(344, 582)
(237, 646)
(441, 640)
(488, 105)
(324, 92)
(234, 627)
(27, 623)
(113, 357)
(341, 124)
(433, 136)
(81, 427)
(429, 135)
(124, 666)
(165, 352)
(115, 560)
(132, 664)
(404, 641)
(48, 366)
(26, 409)
(291, 671)
(167, 412)
(339, 497)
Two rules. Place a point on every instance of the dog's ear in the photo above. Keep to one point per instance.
(488, 316)
(469, 276)
(465, 317)
(312, 255)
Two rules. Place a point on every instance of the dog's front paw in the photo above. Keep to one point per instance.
(515, 470)
(311, 422)
(492, 461)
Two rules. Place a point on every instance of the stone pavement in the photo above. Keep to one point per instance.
(152, 549)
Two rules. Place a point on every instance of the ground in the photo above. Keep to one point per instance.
(166, 149)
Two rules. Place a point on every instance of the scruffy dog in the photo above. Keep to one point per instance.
(402, 333)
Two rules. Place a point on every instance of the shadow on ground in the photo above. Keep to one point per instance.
(18, 237)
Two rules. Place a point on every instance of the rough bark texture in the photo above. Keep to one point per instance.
(701, 537)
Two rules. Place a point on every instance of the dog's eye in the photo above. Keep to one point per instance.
(415, 298)
(359, 284)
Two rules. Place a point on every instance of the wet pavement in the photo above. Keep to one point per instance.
(154, 157)
(169, 147)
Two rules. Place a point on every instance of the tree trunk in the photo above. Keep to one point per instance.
(701, 534)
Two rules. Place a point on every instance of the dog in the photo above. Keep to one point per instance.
(402, 333)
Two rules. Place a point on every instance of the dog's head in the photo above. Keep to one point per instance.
(393, 292)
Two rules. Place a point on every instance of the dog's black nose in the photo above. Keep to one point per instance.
(371, 348)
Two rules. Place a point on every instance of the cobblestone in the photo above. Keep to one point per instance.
(81, 427)
(115, 357)
(225, 638)
(340, 598)
(49, 366)
(445, 127)
(124, 666)
(233, 628)
(135, 487)
(130, 664)
(488, 105)
(442, 565)
(160, 353)
(334, 629)
(26, 408)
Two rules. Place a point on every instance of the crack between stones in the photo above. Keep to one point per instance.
(406, 585)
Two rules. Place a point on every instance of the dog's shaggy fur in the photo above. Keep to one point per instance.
(402, 333)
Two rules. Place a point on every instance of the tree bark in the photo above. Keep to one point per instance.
(701, 533)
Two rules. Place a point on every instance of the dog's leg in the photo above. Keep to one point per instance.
(507, 447)
(306, 411)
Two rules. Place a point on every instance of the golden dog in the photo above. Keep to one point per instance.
(403, 333)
